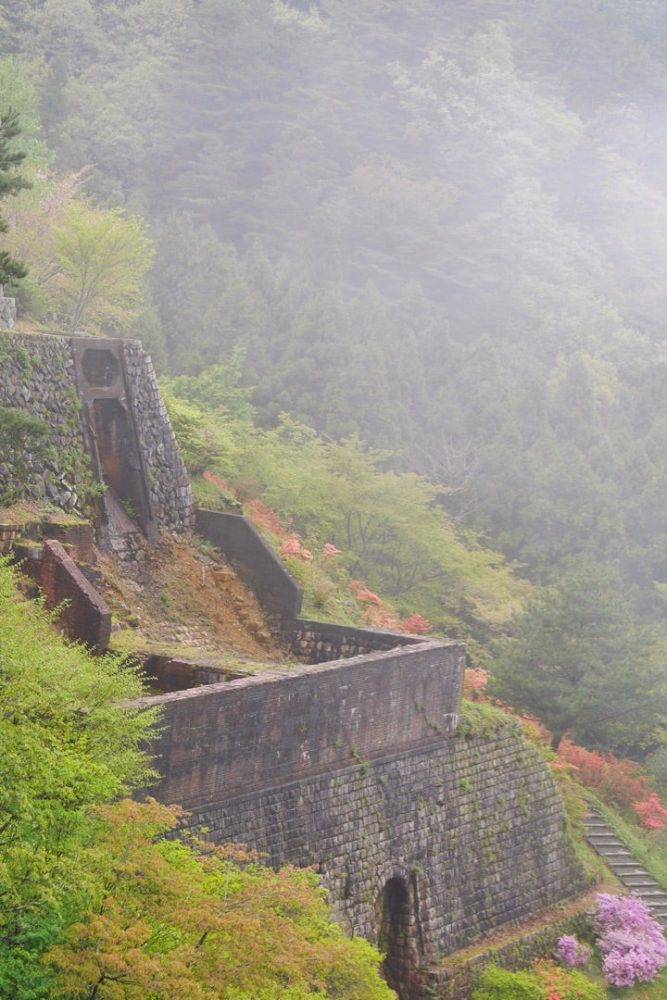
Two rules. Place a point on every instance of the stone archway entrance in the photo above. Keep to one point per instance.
(118, 456)
(399, 937)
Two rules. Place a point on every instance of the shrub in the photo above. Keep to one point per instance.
(500, 984)
(617, 781)
(652, 812)
(567, 984)
(545, 982)
(571, 952)
(631, 942)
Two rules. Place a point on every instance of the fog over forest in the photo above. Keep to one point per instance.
(401, 268)
(439, 226)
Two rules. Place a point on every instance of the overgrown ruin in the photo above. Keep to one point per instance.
(431, 832)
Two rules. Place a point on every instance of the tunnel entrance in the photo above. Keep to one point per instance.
(395, 919)
(118, 457)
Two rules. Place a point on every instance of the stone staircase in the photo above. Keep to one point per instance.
(619, 859)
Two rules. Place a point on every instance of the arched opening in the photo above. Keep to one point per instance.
(117, 452)
(395, 910)
(100, 367)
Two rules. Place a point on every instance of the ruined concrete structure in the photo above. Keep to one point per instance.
(429, 833)
(106, 424)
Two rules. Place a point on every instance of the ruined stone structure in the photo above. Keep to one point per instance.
(106, 424)
(427, 838)
(429, 832)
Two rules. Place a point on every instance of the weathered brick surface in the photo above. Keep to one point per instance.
(353, 767)
(85, 615)
(478, 822)
(318, 642)
(229, 738)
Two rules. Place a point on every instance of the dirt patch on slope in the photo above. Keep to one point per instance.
(183, 593)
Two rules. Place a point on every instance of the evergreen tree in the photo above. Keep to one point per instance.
(10, 183)
(575, 659)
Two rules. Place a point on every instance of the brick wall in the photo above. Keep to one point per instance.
(84, 616)
(354, 767)
(317, 642)
(476, 823)
(275, 727)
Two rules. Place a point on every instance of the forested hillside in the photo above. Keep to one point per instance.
(441, 229)
(400, 265)
(439, 226)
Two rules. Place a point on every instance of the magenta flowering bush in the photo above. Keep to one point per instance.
(631, 942)
(572, 952)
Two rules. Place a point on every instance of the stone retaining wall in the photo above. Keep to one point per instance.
(317, 642)
(37, 376)
(167, 479)
(52, 378)
(354, 767)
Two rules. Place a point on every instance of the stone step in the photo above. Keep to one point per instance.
(617, 857)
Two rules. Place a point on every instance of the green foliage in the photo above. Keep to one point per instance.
(543, 982)
(481, 719)
(191, 922)
(103, 255)
(500, 984)
(20, 435)
(66, 744)
(388, 525)
(216, 388)
(576, 660)
(204, 441)
(10, 183)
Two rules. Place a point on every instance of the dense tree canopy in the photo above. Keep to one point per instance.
(576, 661)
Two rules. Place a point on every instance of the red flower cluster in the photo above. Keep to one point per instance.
(616, 781)
(619, 781)
(292, 546)
(264, 518)
(474, 681)
(652, 812)
(415, 624)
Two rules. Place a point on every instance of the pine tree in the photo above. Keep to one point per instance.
(10, 269)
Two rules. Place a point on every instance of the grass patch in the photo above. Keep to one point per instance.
(133, 644)
(478, 718)
(647, 991)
